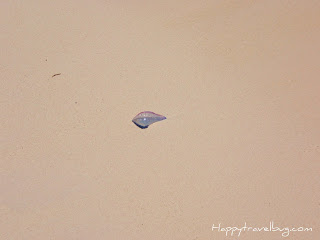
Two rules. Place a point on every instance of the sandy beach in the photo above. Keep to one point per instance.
(238, 82)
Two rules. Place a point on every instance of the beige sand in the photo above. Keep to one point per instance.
(237, 80)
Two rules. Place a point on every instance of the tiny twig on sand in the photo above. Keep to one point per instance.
(57, 74)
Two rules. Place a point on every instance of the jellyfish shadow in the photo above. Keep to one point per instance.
(142, 127)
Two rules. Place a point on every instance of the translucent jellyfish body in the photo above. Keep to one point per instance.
(144, 119)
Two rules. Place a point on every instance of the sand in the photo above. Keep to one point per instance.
(237, 80)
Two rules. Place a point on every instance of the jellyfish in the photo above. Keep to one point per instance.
(144, 119)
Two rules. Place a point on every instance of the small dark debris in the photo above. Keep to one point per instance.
(57, 74)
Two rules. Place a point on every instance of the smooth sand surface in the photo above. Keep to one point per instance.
(237, 80)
